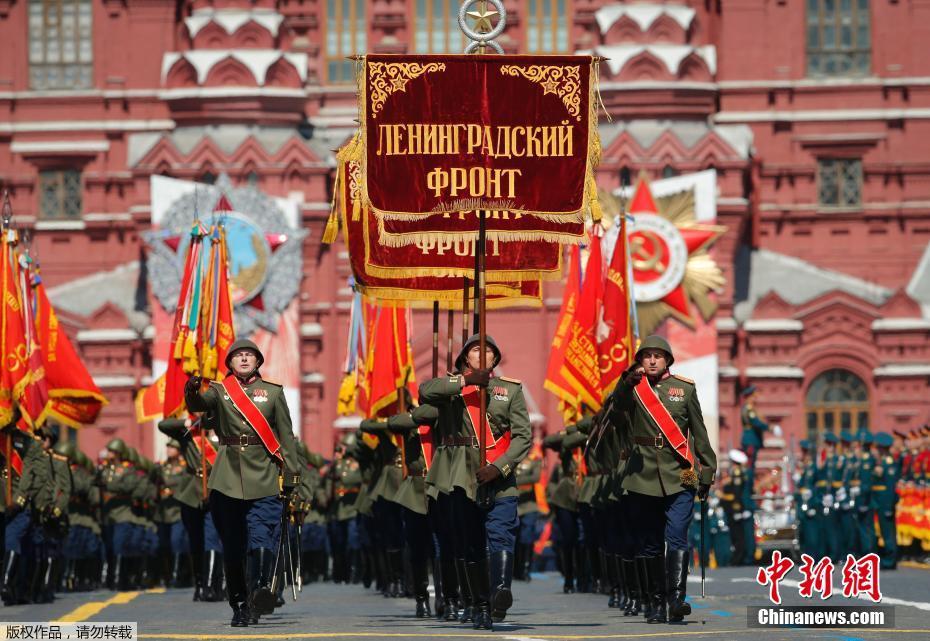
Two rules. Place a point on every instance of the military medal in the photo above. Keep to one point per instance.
(260, 396)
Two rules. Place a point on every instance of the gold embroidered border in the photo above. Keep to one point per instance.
(563, 81)
(387, 78)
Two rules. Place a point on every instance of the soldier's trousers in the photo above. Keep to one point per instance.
(201, 532)
(245, 525)
(889, 551)
(862, 537)
(661, 520)
(527, 534)
(418, 535)
(16, 531)
(389, 532)
(440, 518)
(313, 537)
(810, 537)
(173, 537)
(479, 531)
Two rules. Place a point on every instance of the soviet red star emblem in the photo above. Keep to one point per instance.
(668, 254)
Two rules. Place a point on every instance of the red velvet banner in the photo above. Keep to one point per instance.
(506, 260)
(464, 133)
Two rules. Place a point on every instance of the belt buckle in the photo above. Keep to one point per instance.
(658, 442)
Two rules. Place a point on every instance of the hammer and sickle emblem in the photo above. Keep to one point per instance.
(647, 260)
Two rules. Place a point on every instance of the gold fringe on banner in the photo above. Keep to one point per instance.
(449, 299)
(527, 235)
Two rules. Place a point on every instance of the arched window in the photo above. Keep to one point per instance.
(837, 400)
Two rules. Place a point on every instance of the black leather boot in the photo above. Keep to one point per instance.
(655, 572)
(215, 578)
(676, 565)
(396, 573)
(645, 602)
(528, 553)
(480, 584)
(612, 581)
(518, 566)
(421, 588)
(466, 615)
(197, 565)
(582, 569)
(568, 569)
(261, 598)
(450, 589)
(238, 592)
(10, 565)
(617, 570)
(501, 580)
(631, 580)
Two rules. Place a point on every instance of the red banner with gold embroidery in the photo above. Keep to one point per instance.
(456, 133)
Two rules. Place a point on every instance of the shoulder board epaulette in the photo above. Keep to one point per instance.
(683, 378)
(511, 380)
(275, 383)
(59, 457)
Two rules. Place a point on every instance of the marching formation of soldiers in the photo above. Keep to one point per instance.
(241, 511)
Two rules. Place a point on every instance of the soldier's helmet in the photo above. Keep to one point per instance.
(66, 449)
(84, 461)
(173, 443)
(118, 446)
(655, 342)
(132, 455)
(244, 343)
(473, 340)
(348, 440)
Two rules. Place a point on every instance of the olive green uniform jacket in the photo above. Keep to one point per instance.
(248, 472)
(346, 479)
(187, 490)
(656, 471)
(118, 484)
(36, 472)
(412, 491)
(85, 499)
(562, 491)
(174, 478)
(454, 467)
(311, 493)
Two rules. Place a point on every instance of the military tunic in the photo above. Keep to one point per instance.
(885, 475)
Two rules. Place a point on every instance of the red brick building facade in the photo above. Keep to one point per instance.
(816, 117)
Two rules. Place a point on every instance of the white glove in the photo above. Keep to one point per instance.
(776, 430)
(806, 494)
(747, 514)
(841, 495)
(855, 491)
(827, 500)
(714, 502)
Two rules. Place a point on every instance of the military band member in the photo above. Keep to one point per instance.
(739, 507)
(885, 476)
(255, 462)
(808, 503)
(671, 461)
(862, 534)
(754, 427)
(456, 473)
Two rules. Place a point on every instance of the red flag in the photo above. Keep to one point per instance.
(14, 374)
(175, 376)
(150, 401)
(555, 382)
(225, 333)
(580, 365)
(615, 327)
(35, 394)
(390, 362)
(74, 398)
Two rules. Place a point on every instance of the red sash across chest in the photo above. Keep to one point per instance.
(253, 416)
(495, 447)
(660, 417)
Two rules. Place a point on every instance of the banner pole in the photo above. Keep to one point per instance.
(464, 310)
(484, 497)
(449, 331)
(435, 339)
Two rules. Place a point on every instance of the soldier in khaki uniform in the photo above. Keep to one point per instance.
(255, 461)
(562, 494)
(344, 484)
(529, 471)
(456, 471)
(173, 478)
(671, 460)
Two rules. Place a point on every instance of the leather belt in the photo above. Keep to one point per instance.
(459, 441)
(657, 442)
(242, 440)
(879, 488)
(342, 491)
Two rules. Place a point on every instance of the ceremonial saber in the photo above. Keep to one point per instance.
(703, 568)
(300, 570)
(290, 558)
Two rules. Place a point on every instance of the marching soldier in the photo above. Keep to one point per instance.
(754, 427)
(738, 506)
(808, 504)
(19, 514)
(862, 535)
(662, 476)
(255, 462)
(174, 477)
(456, 473)
(82, 546)
(529, 471)
(117, 481)
(344, 483)
(204, 541)
(562, 494)
(833, 468)
(847, 468)
(885, 476)
(312, 492)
